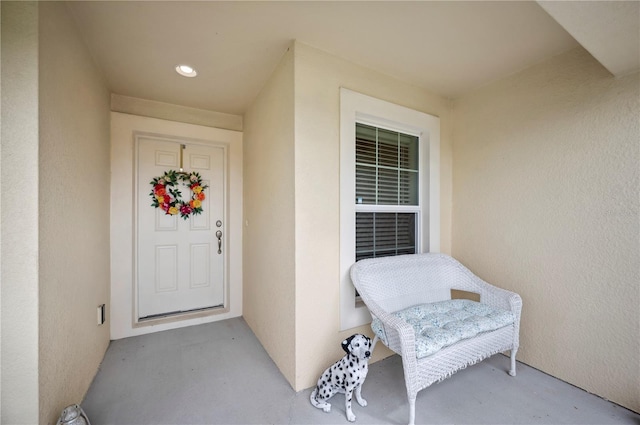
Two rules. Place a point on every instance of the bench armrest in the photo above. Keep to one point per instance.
(498, 297)
(400, 335)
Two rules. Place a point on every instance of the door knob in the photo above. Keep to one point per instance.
(219, 236)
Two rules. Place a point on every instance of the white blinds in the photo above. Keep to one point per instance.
(386, 175)
(384, 234)
(386, 167)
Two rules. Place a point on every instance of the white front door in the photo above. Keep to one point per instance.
(180, 262)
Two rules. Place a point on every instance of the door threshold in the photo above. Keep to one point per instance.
(175, 316)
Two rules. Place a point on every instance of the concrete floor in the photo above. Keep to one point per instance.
(219, 373)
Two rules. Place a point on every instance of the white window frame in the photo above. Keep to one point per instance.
(356, 107)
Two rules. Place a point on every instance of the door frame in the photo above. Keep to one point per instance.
(137, 135)
(123, 304)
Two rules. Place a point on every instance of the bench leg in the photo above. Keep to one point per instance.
(412, 410)
(373, 344)
(512, 372)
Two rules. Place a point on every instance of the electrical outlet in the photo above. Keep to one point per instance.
(101, 315)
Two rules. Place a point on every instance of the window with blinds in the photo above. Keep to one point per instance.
(387, 201)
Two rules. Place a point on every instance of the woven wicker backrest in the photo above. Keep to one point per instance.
(399, 282)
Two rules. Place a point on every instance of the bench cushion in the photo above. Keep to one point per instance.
(444, 323)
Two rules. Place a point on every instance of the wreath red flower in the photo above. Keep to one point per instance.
(166, 193)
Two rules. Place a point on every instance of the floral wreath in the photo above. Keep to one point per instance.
(166, 193)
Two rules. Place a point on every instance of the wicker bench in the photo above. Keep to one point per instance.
(409, 298)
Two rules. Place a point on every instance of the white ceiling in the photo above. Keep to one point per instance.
(446, 47)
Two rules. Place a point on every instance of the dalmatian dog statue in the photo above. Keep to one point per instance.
(345, 376)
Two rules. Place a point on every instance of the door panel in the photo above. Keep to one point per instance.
(179, 267)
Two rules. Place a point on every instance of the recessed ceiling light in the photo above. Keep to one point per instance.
(186, 71)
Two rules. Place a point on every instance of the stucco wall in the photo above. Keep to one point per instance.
(546, 203)
(269, 242)
(19, 225)
(318, 78)
(73, 213)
